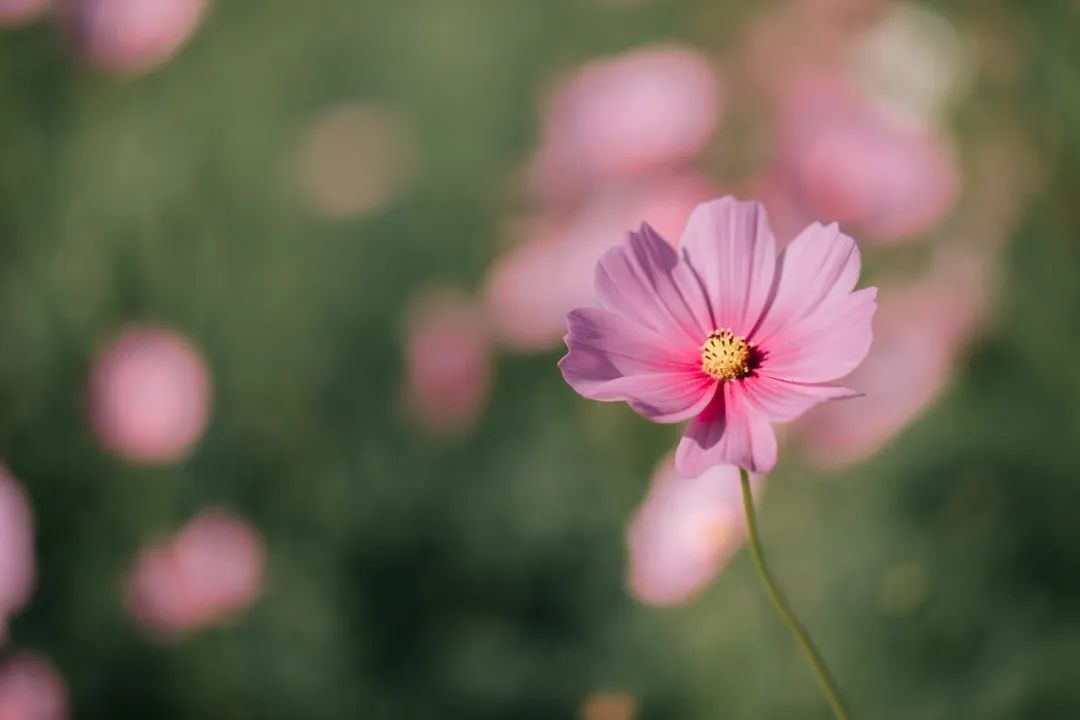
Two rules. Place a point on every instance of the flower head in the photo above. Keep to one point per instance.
(723, 332)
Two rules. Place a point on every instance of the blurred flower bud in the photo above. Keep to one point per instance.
(30, 689)
(130, 37)
(447, 363)
(149, 395)
(625, 117)
(210, 571)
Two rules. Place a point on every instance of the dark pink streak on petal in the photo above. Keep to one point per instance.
(824, 346)
(730, 431)
(783, 401)
(613, 358)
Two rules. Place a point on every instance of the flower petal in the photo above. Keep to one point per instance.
(821, 265)
(827, 344)
(612, 358)
(783, 401)
(730, 431)
(645, 281)
(731, 247)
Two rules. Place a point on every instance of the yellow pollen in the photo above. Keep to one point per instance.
(725, 356)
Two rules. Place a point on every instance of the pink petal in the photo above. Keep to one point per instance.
(685, 531)
(731, 247)
(821, 265)
(645, 281)
(613, 358)
(730, 431)
(826, 345)
(783, 401)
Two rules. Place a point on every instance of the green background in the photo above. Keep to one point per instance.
(483, 578)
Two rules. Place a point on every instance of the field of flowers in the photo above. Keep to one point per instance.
(283, 296)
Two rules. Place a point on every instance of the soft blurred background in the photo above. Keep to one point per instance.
(281, 298)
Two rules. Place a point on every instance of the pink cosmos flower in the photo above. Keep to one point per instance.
(149, 395)
(130, 36)
(30, 689)
(724, 333)
(448, 363)
(14, 12)
(16, 549)
(685, 532)
(212, 570)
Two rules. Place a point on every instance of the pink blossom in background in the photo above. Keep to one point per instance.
(131, 37)
(532, 286)
(625, 117)
(17, 574)
(913, 61)
(685, 532)
(149, 395)
(448, 363)
(15, 12)
(211, 570)
(920, 330)
(724, 333)
(842, 158)
(31, 689)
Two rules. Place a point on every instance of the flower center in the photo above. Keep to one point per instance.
(725, 356)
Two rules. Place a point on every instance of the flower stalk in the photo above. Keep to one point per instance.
(813, 658)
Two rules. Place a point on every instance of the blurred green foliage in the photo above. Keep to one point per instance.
(483, 578)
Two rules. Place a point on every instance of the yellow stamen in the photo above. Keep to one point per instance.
(725, 356)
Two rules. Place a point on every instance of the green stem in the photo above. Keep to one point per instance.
(813, 657)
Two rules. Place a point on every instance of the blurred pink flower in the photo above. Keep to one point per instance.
(685, 532)
(131, 37)
(626, 116)
(212, 570)
(30, 689)
(724, 333)
(149, 395)
(532, 287)
(17, 574)
(919, 331)
(14, 12)
(843, 158)
(447, 362)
